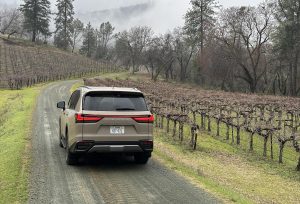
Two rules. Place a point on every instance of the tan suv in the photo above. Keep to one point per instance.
(106, 119)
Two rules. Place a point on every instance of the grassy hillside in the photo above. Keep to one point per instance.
(23, 64)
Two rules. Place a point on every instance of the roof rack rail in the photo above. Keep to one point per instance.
(83, 86)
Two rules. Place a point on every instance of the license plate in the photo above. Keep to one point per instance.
(117, 130)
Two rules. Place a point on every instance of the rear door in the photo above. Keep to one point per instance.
(115, 116)
(73, 128)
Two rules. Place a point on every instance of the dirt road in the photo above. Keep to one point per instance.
(98, 180)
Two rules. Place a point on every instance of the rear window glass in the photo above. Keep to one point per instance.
(114, 101)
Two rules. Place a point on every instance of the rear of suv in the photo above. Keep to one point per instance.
(106, 120)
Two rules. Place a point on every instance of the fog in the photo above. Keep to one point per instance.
(161, 15)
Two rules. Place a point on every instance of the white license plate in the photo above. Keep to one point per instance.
(117, 130)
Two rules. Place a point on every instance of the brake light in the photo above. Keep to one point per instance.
(81, 118)
(149, 119)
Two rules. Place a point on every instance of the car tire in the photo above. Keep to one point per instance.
(60, 138)
(71, 159)
(141, 158)
(60, 142)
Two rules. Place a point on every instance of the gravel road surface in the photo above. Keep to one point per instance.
(96, 180)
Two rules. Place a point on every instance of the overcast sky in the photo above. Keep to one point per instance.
(104, 4)
(165, 14)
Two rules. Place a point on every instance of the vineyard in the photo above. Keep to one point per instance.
(265, 124)
(25, 65)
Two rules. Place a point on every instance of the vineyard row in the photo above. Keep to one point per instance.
(275, 120)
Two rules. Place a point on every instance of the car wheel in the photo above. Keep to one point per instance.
(141, 158)
(60, 138)
(60, 143)
(71, 159)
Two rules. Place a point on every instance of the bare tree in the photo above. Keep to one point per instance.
(184, 50)
(77, 29)
(159, 57)
(11, 22)
(104, 36)
(134, 43)
(246, 32)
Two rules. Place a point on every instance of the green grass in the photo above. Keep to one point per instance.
(230, 172)
(16, 108)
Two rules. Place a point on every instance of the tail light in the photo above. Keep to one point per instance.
(149, 119)
(81, 118)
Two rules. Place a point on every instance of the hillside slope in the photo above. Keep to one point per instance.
(24, 64)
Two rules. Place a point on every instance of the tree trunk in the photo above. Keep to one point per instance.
(174, 129)
(265, 146)
(295, 75)
(238, 136)
(195, 144)
(271, 141)
(227, 131)
(298, 166)
(203, 121)
(218, 127)
(168, 125)
(33, 36)
(232, 134)
(181, 131)
(251, 141)
(209, 124)
(281, 146)
(291, 92)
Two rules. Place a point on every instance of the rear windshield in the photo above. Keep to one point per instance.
(114, 101)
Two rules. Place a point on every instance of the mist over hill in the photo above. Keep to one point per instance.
(119, 17)
(161, 15)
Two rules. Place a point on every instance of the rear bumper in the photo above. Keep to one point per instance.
(110, 147)
(115, 148)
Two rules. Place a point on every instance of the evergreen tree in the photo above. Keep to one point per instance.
(89, 41)
(36, 17)
(287, 40)
(63, 22)
(199, 20)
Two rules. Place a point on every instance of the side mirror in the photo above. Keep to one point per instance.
(61, 105)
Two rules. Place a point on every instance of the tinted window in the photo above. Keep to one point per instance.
(74, 100)
(114, 101)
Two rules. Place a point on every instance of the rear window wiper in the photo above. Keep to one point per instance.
(125, 109)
